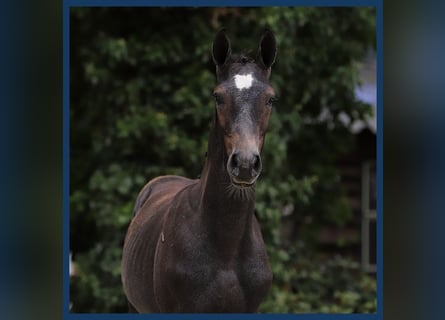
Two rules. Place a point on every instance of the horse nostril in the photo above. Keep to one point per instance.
(234, 164)
(256, 166)
(234, 160)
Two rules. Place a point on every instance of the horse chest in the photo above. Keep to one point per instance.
(202, 283)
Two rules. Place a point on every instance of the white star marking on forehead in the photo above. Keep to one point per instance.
(243, 81)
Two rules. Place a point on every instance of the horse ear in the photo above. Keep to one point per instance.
(221, 48)
(267, 49)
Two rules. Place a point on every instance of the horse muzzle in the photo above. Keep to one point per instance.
(244, 168)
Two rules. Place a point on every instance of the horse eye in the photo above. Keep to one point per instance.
(218, 98)
(270, 101)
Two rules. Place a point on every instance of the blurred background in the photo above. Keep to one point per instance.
(141, 81)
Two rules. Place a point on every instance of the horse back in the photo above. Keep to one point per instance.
(163, 185)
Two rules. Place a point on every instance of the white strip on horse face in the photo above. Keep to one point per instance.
(243, 81)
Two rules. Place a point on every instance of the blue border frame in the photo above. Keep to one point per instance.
(67, 4)
(222, 3)
(66, 157)
(379, 40)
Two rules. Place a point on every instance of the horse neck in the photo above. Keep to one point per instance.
(226, 216)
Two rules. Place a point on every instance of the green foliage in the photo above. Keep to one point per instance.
(141, 106)
(311, 283)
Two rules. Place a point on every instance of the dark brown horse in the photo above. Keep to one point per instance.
(195, 245)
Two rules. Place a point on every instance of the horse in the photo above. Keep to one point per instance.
(195, 245)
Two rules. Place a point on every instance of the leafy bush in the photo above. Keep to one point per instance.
(314, 283)
(140, 106)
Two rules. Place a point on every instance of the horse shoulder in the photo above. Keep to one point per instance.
(145, 231)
